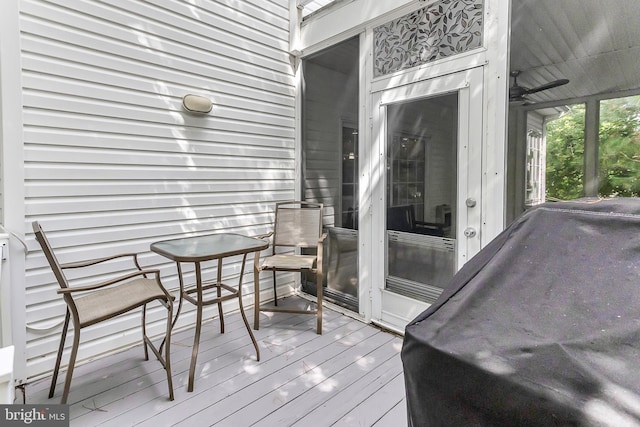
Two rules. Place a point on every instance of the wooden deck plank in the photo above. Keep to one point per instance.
(397, 416)
(313, 379)
(146, 378)
(279, 372)
(349, 396)
(375, 409)
(89, 381)
(214, 364)
(211, 388)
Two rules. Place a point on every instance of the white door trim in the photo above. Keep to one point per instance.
(388, 309)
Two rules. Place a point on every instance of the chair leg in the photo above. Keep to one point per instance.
(167, 354)
(319, 303)
(165, 360)
(54, 379)
(144, 332)
(275, 292)
(72, 361)
(219, 293)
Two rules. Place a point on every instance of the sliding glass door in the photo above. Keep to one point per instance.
(331, 162)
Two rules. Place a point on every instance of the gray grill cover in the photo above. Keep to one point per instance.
(540, 328)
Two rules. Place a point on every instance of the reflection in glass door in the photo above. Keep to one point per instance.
(421, 196)
(349, 181)
(330, 163)
(342, 248)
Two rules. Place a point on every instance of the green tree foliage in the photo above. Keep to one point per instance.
(565, 155)
(618, 151)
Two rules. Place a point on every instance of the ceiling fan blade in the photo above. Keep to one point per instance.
(549, 85)
(518, 102)
(516, 92)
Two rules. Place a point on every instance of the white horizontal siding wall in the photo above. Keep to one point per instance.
(113, 163)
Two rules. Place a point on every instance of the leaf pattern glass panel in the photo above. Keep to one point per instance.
(443, 29)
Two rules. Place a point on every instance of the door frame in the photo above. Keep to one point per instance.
(394, 311)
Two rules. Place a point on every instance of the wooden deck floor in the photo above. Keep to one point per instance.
(349, 376)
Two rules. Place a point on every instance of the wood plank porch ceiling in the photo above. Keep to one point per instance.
(593, 43)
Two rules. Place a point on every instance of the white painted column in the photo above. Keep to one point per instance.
(6, 375)
(12, 177)
(496, 87)
(591, 136)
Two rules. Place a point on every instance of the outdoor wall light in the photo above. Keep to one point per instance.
(197, 104)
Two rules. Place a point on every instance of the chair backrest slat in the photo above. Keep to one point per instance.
(298, 224)
(48, 253)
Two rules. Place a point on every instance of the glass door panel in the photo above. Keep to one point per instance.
(349, 180)
(421, 195)
(426, 190)
(342, 253)
(331, 163)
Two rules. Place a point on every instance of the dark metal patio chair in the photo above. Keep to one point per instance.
(88, 305)
(298, 225)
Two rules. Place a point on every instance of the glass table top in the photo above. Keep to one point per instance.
(207, 247)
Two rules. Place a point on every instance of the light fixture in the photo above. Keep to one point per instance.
(197, 104)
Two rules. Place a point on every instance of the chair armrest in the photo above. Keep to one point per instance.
(322, 238)
(112, 282)
(256, 258)
(320, 253)
(263, 236)
(89, 262)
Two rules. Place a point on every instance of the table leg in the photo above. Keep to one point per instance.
(256, 290)
(196, 338)
(244, 317)
(181, 281)
(219, 282)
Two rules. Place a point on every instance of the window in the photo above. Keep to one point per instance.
(564, 173)
(558, 153)
(619, 147)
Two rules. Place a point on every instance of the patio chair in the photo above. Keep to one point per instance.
(88, 305)
(297, 226)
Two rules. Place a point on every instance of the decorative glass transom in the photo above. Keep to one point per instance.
(440, 30)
